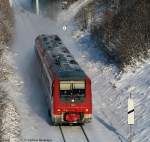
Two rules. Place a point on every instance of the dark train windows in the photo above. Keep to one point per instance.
(72, 91)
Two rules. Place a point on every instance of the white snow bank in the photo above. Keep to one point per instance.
(10, 126)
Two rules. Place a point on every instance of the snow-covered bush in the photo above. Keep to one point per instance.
(6, 22)
(9, 118)
(126, 34)
(121, 28)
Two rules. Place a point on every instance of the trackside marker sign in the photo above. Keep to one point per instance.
(130, 111)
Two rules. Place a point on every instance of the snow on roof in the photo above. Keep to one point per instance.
(64, 63)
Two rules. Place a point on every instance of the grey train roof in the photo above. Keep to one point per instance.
(63, 63)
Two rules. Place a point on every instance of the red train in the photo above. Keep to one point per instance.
(68, 87)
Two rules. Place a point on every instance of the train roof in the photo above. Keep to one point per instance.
(60, 59)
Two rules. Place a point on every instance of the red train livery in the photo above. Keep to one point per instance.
(68, 88)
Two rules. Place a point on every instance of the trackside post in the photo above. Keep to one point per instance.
(37, 7)
(130, 116)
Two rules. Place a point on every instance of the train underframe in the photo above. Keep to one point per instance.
(70, 118)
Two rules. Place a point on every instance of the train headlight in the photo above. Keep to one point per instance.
(86, 109)
(58, 110)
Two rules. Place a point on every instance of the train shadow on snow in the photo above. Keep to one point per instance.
(110, 127)
(36, 94)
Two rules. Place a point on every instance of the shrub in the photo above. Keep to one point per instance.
(6, 21)
(120, 29)
(126, 35)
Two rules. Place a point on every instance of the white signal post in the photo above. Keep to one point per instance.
(37, 7)
(10, 2)
(130, 115)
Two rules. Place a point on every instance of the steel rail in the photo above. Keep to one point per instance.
(86, 136)
(63, 137)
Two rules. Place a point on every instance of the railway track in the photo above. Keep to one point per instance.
(81, 134)
(63, 137)
(86, 136)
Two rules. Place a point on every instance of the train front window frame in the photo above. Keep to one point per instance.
(72, 91)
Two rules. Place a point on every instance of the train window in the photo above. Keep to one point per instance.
(72, 91)
(65, 86)
(79, 85)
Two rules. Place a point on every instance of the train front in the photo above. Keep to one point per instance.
(72, 102)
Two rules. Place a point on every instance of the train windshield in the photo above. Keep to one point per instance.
(72, 91)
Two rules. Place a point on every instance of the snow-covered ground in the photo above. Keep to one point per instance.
(110, 92)
(114, 90)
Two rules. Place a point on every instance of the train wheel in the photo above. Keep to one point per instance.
(52, 119)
